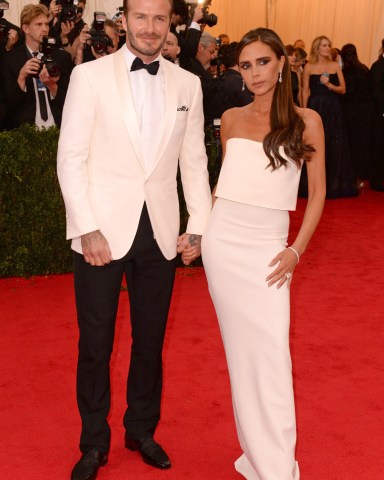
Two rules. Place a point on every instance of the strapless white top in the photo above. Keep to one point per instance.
(246, 178)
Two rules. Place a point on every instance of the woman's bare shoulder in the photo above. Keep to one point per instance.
(232, 113)
(233, 117)
(312, 121)
(308, 115)
(308, 67)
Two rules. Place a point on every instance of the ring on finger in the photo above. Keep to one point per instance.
(288, 275)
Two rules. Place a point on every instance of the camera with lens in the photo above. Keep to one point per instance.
(218, 61)
(99, 39)
(44, 54)
(4, 28)
(209, 19)
(69, 10)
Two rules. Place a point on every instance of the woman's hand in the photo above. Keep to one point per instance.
(287, 261)
(324, 79)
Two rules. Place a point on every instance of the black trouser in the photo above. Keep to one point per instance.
(150, 279)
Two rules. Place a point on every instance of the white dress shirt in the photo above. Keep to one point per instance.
(148, 93)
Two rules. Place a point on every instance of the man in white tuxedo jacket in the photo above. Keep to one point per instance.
(129, 119)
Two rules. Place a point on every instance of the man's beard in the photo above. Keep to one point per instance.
(148, 52)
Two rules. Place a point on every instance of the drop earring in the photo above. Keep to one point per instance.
(280, 77)
(243, 86)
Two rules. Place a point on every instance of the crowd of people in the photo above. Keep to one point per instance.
(142, 109)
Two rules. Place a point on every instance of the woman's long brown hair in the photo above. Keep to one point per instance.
(287, 127)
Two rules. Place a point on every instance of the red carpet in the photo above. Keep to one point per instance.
(337, 348)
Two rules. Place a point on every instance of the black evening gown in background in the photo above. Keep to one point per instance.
(359, 114)
(377, 84)
(341, 180)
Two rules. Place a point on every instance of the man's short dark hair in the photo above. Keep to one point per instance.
(180, 7)
(229, 54)
(125, 6)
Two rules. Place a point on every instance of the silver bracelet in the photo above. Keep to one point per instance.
(296, 253)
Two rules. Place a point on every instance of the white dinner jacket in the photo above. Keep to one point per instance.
(101, 169)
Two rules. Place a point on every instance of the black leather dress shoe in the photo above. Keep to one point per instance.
(150, 450)
(88, 465)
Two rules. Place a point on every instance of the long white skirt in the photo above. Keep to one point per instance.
(237, 247)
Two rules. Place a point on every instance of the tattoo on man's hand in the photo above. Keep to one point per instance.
(88, 238)
(194, 240)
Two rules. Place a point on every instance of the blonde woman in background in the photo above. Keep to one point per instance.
(323, 84)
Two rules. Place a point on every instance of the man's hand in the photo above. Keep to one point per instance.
(96, 250)
(54, 10)
(12, 39)
(189, 245)
(79, 44)
(197, 14)
(30, 67)
(66, 27)
(84, 35)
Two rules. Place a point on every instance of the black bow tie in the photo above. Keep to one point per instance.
(151, 68)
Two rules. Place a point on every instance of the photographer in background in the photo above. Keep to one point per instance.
(65, 18)
(9, 33)
(102, 39)
(70, 24)
(31, 94)
(214, 98)
(237, 93)
(217, 67)
(189, 36)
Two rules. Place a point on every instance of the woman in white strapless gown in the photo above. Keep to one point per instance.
(245, 254)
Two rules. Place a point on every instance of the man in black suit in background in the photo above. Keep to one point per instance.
(237, 93)
(30, 93)
(189, 38)
(377, 83)
(214, 96)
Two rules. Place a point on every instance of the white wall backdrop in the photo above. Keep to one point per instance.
(344, 21)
